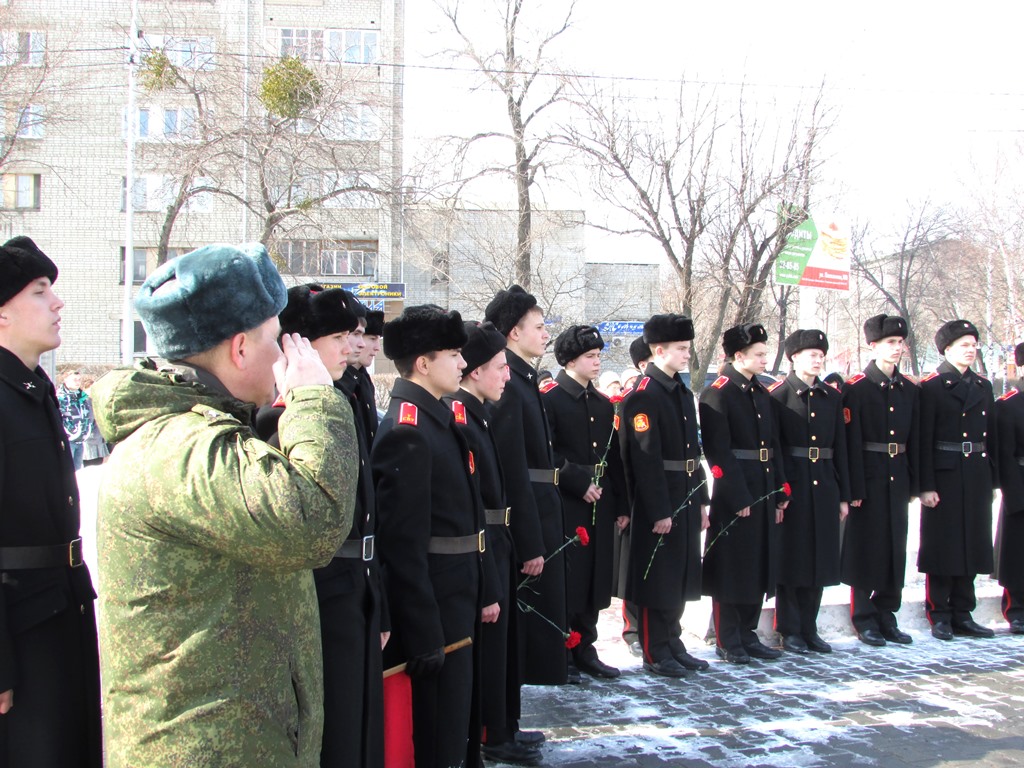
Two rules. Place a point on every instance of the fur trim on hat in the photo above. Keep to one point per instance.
(483, 343)
(664, 329)
(314, 312)
(639, 351)
(374, 322)
(21, 262)
(884, 326)
(576, 340)
(422, 329)
(508, 307)
(1018, 356)
(951, 331)
(801, 339)
(196, 301)
(739, 337)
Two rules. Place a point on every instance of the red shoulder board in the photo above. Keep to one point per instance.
(1008, 395)
(643, 384)
(408, 414)
(459, 409)
(547, 387)
(720, 382)
(776, 385)
(930, 376)
(279, 403)
(834, 386)
(855, 378)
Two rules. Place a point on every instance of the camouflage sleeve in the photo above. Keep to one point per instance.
(279, 510)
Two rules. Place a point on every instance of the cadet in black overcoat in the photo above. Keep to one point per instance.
(49, 662)
(1010, 533)
(352, 615)
(524, 445)
(740, 437)
(882, 415)
(483, 381)
(813, 440)
(431, 535)
(958, 474)
(590, 479)
(661, 454)
(365, 342)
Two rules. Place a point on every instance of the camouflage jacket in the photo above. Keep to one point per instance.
(209, 631)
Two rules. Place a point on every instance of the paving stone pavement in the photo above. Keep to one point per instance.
(932, 703)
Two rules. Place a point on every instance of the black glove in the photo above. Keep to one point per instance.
(425, 664)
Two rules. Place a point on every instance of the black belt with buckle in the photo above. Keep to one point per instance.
(966, 448)
(457, 545)
(893, 449)
(356, 549)
(544, 476)
(498, 516)
(813, 453)
(761, 454)
(689, 466)
(24, 558)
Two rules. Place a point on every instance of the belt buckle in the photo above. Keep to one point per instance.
(367, 548)
(813, 453)
(554, 480)
(75, 553)
(894, 448)
(481, 542)
(508, 516)
(599, 471)
(691, 466)
(967, 447)
(762, 454)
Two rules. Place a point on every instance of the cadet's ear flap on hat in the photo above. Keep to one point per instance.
(883, 327)
(739, 337)
(422, 329)
(483, 342)
(801, 339)
(951, 331)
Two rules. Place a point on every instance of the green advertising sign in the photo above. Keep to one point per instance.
(816, 257)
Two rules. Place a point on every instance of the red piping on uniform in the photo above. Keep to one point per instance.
(625, 619)
(851, 605)
(928, 597)
(1009, 604)
(715, 615)
(647, 640)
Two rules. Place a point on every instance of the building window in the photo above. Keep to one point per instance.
(21, 191)
(25, 48)
(155, 192)
(194, 53)
(30, 122)
(356, 258)
(439, 265)
(143, 262)
(305, 44)
(352, 46)
(354, 122)
(140, 340)
(302, 257)
(161, 123)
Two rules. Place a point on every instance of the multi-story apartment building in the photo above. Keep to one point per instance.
(312, 176)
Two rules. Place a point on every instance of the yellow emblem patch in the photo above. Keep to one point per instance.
(641, 423)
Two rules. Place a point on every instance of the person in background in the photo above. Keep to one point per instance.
(882, 416)
(49, 663)
(76, 413)
(813, 439)
(629, 377)
(608, 384)
(215, 531)
(365, 344)
(431, 533)
(1010, 534)
(959, 466)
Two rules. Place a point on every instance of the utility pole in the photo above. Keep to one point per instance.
(127, 316)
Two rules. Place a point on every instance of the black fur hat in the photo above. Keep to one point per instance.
(740, 337)
(1018, 355)
(422, 329)
(884, 326)
(374, 322)
(196, 301)
(313, 312)
(805, 338)
(576, 340)
(484, 342)
(951, 331)
(21, 262)
(663, 329)
(639, 350)
(358, 308)
(508, 307)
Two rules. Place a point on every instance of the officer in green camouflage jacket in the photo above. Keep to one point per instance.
(210, 642)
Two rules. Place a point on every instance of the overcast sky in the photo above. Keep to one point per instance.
(926, 91)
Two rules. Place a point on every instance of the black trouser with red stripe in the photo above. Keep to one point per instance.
(630, 621)
(796, 610)
(1013, 604)
(659, 632)
(874, 609)
(736, 625)
(949, 598)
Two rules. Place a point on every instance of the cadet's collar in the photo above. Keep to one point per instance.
(35, 383)
(516, 364)
(418, 396)
(473, 405)
(800, 386)
(876, 376)
(573, 387)
(669, 382)
(740, 380)
(948, 370)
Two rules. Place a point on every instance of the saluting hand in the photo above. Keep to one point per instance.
(300, 366)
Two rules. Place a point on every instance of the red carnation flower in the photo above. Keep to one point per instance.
(716, 471)
(573, 639)
(583, 536)
(614, 399)
(787, 489)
